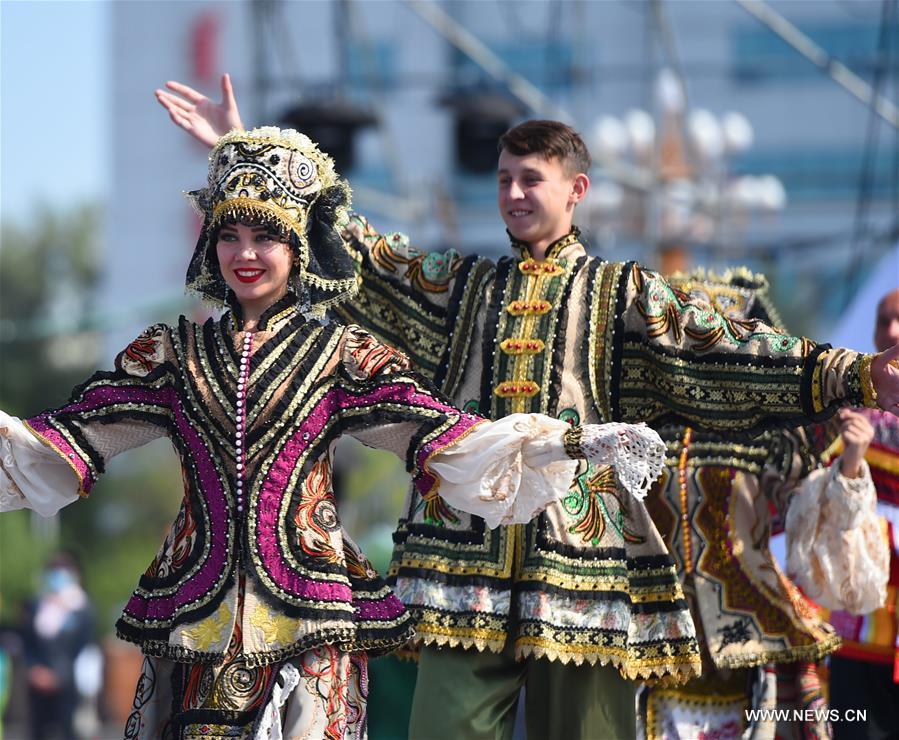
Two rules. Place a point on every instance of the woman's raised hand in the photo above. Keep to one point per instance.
(202, 118)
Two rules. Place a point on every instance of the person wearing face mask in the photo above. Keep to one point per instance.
(58, 626)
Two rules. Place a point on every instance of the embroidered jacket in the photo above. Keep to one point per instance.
(713, 506)
(586, 341)
(257, 548)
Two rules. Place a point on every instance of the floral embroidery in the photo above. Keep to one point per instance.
(369, 357)
(429, 272)
(278, 628)
(585, 503)
(145, 353)
(210, 632)
(667, 309)
(357, 564)
(436, 510)
(339, 682)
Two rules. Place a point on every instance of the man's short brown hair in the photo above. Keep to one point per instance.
(549, 139)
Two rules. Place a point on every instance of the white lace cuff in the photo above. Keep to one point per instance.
(32, 476)
(635, 451)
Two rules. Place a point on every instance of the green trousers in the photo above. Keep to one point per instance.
(469, 695)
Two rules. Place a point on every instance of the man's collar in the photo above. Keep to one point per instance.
(554, 250)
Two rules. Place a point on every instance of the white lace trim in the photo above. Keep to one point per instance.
(635, 451)
(269, 727)
(836, 548)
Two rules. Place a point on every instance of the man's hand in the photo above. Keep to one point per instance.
(885, 378)
(203, 119)
(857, 434)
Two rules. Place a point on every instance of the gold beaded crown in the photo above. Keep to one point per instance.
(280, 178)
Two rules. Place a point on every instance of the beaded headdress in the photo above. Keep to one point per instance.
(279, 178)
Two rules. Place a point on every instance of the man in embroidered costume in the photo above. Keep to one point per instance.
(759, 636)
(589, 585)
(258, 613)
(864, 673)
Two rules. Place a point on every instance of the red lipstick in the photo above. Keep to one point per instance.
(248, 276)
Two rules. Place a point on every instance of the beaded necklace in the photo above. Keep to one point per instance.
(240, 435)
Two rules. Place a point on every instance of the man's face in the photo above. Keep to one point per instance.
(536, 197)
(886, 332)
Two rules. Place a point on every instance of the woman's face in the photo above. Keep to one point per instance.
(255, 264)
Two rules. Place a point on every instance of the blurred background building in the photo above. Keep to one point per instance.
(726, 133)
(714, 133)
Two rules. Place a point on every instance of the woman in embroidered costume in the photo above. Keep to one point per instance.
(257, 615)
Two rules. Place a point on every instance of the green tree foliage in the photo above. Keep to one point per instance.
(49, 272)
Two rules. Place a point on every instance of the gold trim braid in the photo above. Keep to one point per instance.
(869, 394)
(572, 439)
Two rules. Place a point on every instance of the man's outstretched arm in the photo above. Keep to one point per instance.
(673, 359)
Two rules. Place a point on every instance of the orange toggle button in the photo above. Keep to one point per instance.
(531, 267)
(522, 389)
(522, 346)
(528, 308)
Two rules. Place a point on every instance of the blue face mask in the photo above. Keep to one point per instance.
(56, 579)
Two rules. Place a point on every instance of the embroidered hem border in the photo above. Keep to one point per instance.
(670, 670)
(671, 661)
(812, 652)
(346, 638)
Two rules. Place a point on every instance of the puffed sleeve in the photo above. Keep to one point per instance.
(32, 475)
(509, 470)
(53, 458)
(836, 549)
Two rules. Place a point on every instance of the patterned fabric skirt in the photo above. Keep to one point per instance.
(321, 693)
(739, 703)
